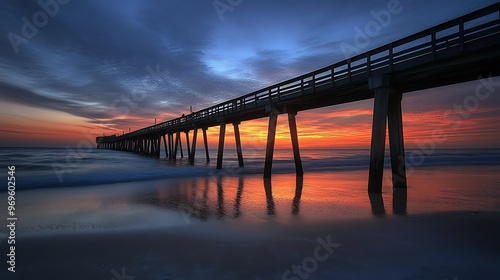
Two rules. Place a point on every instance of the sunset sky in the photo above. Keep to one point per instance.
(75, 76)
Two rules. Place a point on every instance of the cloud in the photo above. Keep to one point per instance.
(25, 132)
(93, 57)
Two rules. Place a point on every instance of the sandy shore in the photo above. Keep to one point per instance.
(450, 245)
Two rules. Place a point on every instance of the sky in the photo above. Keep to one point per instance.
(72, 70)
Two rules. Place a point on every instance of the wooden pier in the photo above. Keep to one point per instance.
(456, 51)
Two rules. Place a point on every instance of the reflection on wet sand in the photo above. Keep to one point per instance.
(298, 194)
(399, 201)
(269, 197)
(199, 202)
(377, 203)
(237, 204)
(222, 197)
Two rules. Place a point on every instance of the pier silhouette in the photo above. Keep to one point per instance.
(460, 50)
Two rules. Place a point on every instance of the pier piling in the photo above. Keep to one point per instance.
(295, 144)
(271, 136)
(220, 151)
(205, 140)
(239, 150)
(193, 147)
(386, 108)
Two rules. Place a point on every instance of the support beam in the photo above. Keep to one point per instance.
(193, 147)
(377, 204)
(170, 145)
(158, 146)
(177, 137)
(239, 151)
(295, 144)
(180, 144)
(271, 136)
(205, 140)
(396, 141)
(380, 106)
(220, 151)
(188, 145)
(165, 144)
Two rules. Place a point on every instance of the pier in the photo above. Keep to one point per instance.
(460, 50)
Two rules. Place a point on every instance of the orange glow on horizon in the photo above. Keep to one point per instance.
(339, 126)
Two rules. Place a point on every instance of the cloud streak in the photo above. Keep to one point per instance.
(92, 54)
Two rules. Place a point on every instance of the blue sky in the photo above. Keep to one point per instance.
(90, 56)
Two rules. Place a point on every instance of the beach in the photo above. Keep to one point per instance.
(323, 226)
(260, 140)
(459, 245)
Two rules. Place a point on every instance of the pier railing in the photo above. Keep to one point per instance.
(448, 39)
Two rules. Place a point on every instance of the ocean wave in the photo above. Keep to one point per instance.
(49, 168)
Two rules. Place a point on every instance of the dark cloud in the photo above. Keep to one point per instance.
(26, 132)
(92, 56)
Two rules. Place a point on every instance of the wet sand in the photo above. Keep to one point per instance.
(445, 226)
(454, 245)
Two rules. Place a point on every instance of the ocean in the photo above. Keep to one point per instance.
(103, 214)
(67, 167)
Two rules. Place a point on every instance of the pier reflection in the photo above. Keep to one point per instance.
(399, 202)
(377, 203)
(257, 199)
(220, 197)
(269, 197)
(298, 194)
(237, 204)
